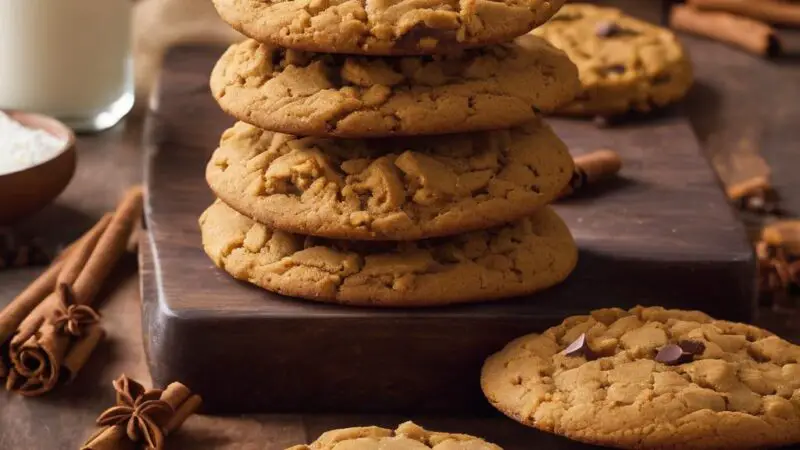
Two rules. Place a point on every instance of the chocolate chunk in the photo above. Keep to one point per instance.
(674, 354)
(692, 347)
(606, 28)
(671, 354)
(579, 347)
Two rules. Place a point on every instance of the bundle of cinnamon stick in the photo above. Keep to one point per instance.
(48, 332)
(747, 24)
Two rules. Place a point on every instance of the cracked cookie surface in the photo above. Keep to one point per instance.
(526, 256)
(407, 436)
(389, 189)
(740, 389)
(625, 64)
(314, 94)
(410, 27)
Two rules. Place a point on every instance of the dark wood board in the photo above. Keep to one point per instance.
(663, 234)
(756, 104)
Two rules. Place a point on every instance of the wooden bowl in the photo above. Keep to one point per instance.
(27, 191)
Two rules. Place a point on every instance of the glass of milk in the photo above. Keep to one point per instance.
(70, 59)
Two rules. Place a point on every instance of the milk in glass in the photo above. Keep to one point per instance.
(67, 58)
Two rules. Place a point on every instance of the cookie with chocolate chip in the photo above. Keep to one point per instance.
(651, 378)
(407, 436)
(389, 189)
(625, 64)
(345, 96)
(397, 27)
(519, 258)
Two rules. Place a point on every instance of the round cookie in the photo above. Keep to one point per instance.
(408, 436)
(404, 27)
(389, 189)
(520, 258)
(625, 64)
(314, 94)
(651, 378)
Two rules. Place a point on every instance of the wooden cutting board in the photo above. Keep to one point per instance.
(663, 234)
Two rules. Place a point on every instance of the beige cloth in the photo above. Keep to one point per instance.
(160, 24)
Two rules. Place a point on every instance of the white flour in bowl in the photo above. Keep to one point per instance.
(22, 148)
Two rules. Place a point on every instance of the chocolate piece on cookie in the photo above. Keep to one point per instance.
(625, 64)
(314, 94)
(666, 379)
(519, 258)
(400, 27)
(407, 436)
(389, 189)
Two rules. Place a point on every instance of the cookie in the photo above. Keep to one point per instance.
(625, 64)
(313, 94)
(404, 27)
(520, 258)
(407, 436)
(389, 189)
(651, 378)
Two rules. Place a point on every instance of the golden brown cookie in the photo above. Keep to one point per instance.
(399, 27)
(389, 189)
(516, 259)
(625, 64)
(407, 436)
(314, 94)
(651, 378)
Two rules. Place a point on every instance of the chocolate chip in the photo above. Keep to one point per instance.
(692, 347)
(671, 355)
(579, 347)
(616, 68)
(662, 78)
(606, 28)
(674, 354)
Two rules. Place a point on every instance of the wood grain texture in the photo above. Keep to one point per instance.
(664, 224)
(63, 421)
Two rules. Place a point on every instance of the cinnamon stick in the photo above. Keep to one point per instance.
(19, 308)
(772, 11)
(70, 264)
(591, 168)
(74, 264)
(56, 339)
(80, 351)
(183, 402)
(748, 34)
(110, 247)
(33, 359)
(13, 315)
(110, 438)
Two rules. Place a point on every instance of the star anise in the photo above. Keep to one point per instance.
(143, 420)
(71, 318)
(142, 411)
(128, 391)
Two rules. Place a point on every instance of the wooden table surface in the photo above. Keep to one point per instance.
(112, 161)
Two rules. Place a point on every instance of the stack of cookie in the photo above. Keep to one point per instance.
(390, 154)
